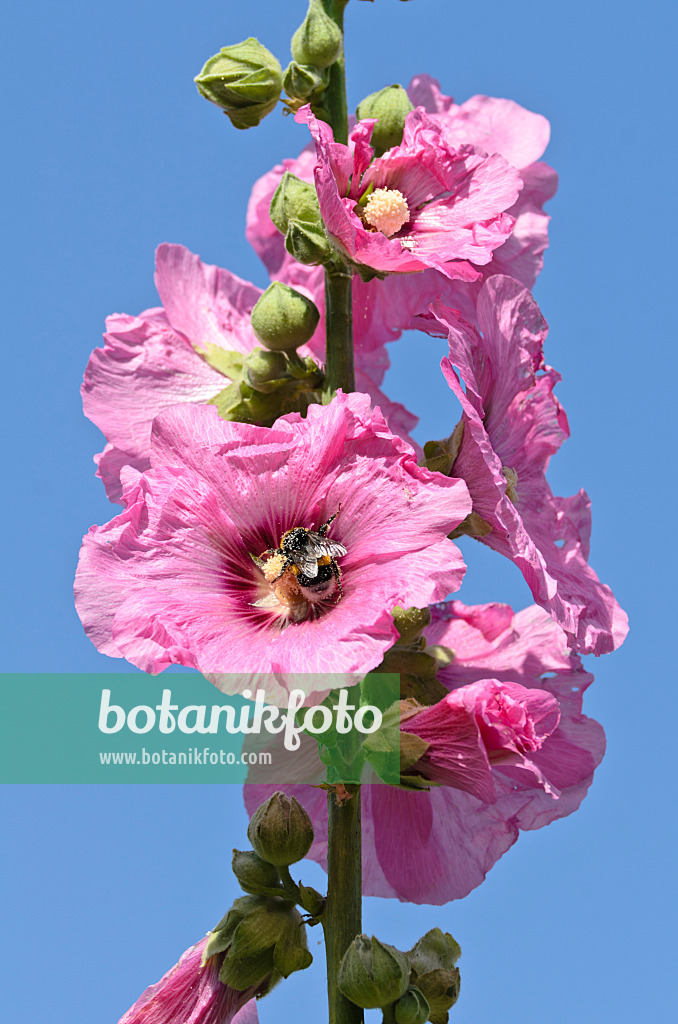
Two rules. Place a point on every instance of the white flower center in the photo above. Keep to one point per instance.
(386, 210)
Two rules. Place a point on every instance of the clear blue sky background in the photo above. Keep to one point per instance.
(111, 151)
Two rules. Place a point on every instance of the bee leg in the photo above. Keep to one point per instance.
(325, 527)
(259, 562)
(336, 572)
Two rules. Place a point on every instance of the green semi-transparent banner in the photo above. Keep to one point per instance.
(182, 728)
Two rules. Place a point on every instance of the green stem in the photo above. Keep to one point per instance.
(334, 97)
(338, 330)
(342, 917)
(338, 296)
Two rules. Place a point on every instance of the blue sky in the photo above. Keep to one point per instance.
(112, 151)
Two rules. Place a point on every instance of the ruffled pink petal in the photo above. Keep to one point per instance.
(171, 580)
(454, 834)
(512, 425)
(149, 363)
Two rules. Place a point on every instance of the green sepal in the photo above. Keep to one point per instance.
(311, 900)
(412, 1007)
(222, 360)
(473, 526)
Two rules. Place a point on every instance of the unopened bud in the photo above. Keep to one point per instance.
(412, 1008)
(253, 873)
(373, 974)
(245, 80)
(432, 961)
(264, 370)
(294, 199)
(390, 106)
(307, 242)
(318, 40)
(280, 831)
(283, 319)
(301, 81)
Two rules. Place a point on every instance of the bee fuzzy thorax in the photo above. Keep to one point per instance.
(302, 572)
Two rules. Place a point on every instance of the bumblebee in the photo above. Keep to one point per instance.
(304, 567)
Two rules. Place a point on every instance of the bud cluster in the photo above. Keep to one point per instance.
(415, 662)
(418, 986)
(315, 46)
(262, 938)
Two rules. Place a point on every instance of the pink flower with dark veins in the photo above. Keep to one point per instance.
(151, 362)
(424, 203)
(512, 425)
(437, 845)
(194, 570)
(191, 993)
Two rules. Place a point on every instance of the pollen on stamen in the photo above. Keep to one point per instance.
(386, 210)
(274, 567)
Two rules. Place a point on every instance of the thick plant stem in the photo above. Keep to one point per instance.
(334, 97)
(339, 329)
(342, 918)
(338, 296)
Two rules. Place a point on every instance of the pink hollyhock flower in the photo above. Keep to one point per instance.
(512, 424)
(422, 204)
(191, 993)
(172, 580)
(382, 309)
(150, 362)
(481, 726)
(435, 846)
(520, 136)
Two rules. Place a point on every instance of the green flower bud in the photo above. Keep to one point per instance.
(280, 831)
(373, 974)
(412, 1008)
(245, 80)
(254, 874)
(311, 900)
(318, 40)
(301, 81)
(307, 243)
(264, 370)
(432, 960)
(391, 106)
(283, 319)
(294, 199)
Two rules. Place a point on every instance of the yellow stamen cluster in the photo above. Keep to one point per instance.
(273, 567)
(386, 210)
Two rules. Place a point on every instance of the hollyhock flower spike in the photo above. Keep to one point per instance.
(189, 572)
(512, 424)
(151, 362)
(422, 204)
(435, 846)
(191, 993)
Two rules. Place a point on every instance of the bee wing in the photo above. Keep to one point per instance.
(307, 561)
(320, 546)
